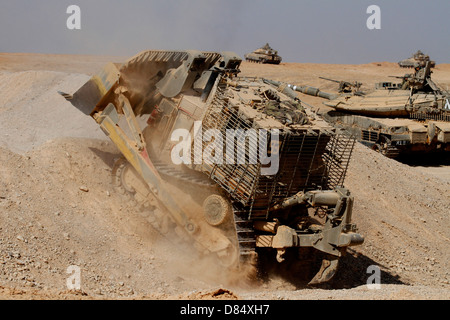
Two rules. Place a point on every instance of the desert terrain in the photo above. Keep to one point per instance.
(58, 207)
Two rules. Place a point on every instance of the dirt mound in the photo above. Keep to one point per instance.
(49, 224)
(59, 209)
(402, 212)
(33, 112)
(86, 64)
(216, 294)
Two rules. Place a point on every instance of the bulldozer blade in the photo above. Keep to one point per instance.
(95, 90)
(326, 272)
(67, 96)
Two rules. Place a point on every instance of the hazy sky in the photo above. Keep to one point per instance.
(317, 31)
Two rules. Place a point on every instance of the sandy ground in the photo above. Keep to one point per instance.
(58, 207)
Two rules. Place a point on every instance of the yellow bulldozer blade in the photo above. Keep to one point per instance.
(96, 90)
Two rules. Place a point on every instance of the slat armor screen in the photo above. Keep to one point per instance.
(309, 159)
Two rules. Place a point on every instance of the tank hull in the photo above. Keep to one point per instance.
(264, 54)
(411, 117)
(395, 137)
(263, 58)
(417, 58)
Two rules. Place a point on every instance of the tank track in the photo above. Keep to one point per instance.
(385, 147)
(262, 61)
(406, 65)
(153, 213)
(391, 152)
(254, 61)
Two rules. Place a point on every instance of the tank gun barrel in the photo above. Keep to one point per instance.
(354, 84)
(282, 87)
(332, 80)
(314, 92)
(289, 88)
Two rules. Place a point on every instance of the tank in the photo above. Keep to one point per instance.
(231, 166)
(264, 54)
(418, 57)
(408, 118)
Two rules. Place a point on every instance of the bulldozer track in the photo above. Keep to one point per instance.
(244, 227)
(246, 236)
(149, 208)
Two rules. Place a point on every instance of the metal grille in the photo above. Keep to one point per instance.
(238, 180)
(369, 135)
(301, 168)
(337, 157)
(309, 159)
(443, 116)
(151, 56)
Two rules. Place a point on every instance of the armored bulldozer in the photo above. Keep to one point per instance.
(406, 118)
(264, 54)
(418, 57)
(230, 165)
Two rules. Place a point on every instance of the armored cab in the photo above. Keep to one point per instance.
(418, 57)
(230, 165)
(264, 54)
(410, 117)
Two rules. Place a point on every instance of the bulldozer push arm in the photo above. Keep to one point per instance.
(135, 152)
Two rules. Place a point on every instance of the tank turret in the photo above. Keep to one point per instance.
(264, 54)
(418, 57)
